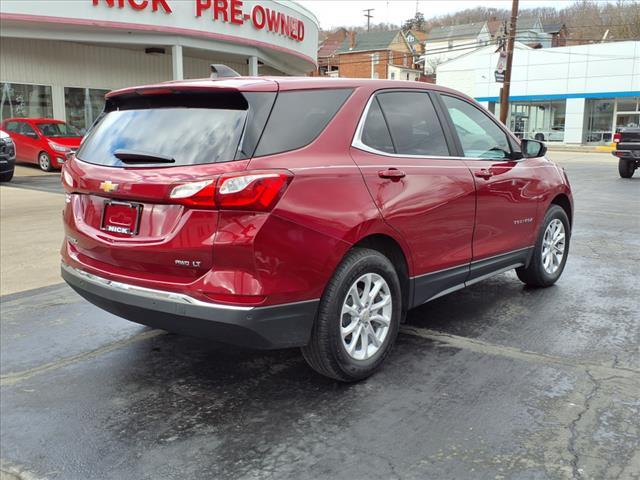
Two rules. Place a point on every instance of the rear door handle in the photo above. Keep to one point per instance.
(392, 173)
(483, 173)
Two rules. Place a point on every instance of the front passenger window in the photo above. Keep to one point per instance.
(479, 135)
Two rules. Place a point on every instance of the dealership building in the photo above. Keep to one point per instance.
(60, 57)
(573, 95)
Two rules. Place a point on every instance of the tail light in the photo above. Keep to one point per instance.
(617, 137)
(195, 194)
(257, 190)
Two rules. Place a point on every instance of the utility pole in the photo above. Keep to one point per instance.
(504, 93)
(369, 17)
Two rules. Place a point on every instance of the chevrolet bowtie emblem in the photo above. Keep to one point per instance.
(108, 187)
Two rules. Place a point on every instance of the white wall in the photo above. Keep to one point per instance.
(583, 69)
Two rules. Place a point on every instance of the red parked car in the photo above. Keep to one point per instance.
(44, 141)
(304, 212)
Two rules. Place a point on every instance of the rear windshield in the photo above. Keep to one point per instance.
(185, 129)
(189, 129)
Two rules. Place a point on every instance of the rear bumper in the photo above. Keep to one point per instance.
(279, 326)
(7, 164)
(627, 154)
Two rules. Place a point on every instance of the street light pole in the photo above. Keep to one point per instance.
(504, 93)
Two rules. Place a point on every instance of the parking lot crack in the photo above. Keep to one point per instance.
(573, 427)
(482, 347)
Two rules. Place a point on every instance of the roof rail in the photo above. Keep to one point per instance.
(219, 70)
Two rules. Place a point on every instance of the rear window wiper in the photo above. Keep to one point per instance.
(132, 156)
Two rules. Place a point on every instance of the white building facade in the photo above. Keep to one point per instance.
(60, 57)
(572, 95)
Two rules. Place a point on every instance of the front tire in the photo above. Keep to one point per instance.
(6, 176)
(44, 162)
(539, 137)
(550, 252)
(358, 318)
(626, 168)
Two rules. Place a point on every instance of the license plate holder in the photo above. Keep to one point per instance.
(121, 218)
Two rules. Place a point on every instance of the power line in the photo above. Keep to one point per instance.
(475, 46)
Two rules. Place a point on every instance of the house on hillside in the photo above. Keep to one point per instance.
(559, 33)
(384, 54)
(446, 43)
(327, 59)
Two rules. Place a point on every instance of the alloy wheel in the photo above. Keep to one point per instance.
(44, 161)
(366, 316)
(553, 246)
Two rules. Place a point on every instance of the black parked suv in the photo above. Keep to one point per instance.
(7, 157)
(627, 142)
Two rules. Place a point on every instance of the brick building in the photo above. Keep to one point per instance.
(327, 58)
(390, 55)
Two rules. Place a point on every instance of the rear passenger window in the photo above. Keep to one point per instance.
(415, 128)
(298, 117)
(375, 133)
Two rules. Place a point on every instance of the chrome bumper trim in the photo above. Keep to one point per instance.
(147, 292)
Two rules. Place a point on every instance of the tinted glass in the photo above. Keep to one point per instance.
(375, 133)
(191, 128)
(188, 135)
(26, 129)
(479, 135)
(413, 123)
(298, 117)
(57, 130)
(13, 127)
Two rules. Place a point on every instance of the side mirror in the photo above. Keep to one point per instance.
(532, 148)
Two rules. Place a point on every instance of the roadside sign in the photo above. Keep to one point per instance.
(501, 68)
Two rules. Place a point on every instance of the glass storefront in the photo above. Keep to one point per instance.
(83, 106)
(22, 100)
(605, 116)
(541, 120)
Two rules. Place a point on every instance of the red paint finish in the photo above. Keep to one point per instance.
(29, 148)
(432, 207)
(439, 213)
(508, 196)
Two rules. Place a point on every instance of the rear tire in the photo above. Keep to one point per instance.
(333, 352)
(44, 162)
(555, 233)
(626, 168)
(539, 137)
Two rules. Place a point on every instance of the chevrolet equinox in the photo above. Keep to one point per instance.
(304, 212)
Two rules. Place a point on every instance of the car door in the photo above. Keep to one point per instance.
(423, 193)
(29, 143)
(508, 188)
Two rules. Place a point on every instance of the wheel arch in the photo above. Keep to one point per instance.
(562, 200)
(391, 248)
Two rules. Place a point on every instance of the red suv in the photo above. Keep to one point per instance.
(304, 212)
(44, 141)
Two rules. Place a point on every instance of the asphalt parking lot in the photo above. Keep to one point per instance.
(497, 381)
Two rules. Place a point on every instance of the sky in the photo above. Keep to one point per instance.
(337, 13)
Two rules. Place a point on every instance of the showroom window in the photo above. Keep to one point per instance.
(83, 106)
(540, 120)
(23, 100)
(627, 112)
(599, 113)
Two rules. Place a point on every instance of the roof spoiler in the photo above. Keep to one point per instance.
(219, 71)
